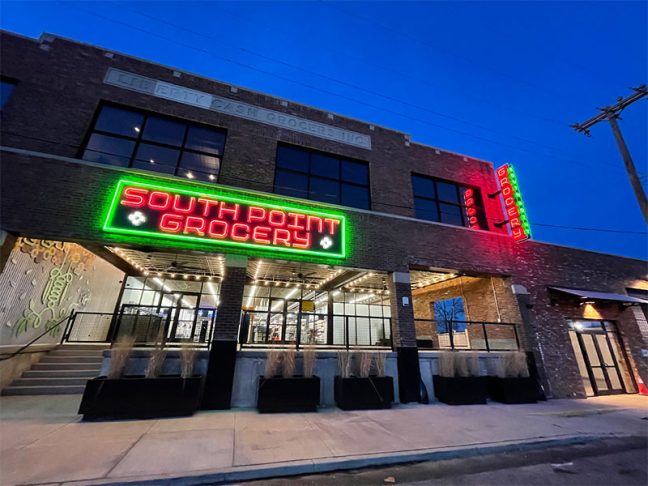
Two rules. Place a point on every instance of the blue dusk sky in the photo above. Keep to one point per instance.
(501, 81)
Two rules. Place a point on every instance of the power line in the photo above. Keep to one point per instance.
(611, 113)
(402, 206)
(348, 98)
(602, 230)
(401, 74)
(342, 82)
(436, 47)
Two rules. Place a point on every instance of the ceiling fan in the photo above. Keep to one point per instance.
(180, 267)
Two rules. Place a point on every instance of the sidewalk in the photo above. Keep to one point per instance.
(42, 438)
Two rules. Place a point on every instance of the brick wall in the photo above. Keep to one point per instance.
(231, 299)
(63, 81)
(483, 297)
(60, 87)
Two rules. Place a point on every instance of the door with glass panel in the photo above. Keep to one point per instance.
(600, 358)
(183, 315)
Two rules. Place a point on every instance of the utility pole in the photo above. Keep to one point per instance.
(611, 114)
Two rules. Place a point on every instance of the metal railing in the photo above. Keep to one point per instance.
(23, 348)
(88, 327)
(146, 323)
(466, 335)
(342, 332)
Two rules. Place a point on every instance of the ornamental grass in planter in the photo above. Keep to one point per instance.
(510, 381)
(368, 388)
(280, 390)
(149, 396)
(458, 381)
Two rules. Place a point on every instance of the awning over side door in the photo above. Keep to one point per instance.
(599, 296)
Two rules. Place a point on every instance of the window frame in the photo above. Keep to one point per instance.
(438, 202)
(146, 114)
(310, 175)
(14, 83)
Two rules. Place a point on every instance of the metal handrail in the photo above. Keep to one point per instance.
(47, 331)
(451, 324)
(297, 344)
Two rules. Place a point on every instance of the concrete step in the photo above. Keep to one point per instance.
(50, 381)
(77, 352)
(60, 373)
(67, 366)
(89, 347)
(70, 359)
(43, 390)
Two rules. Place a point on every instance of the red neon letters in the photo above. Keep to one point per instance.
(471, 209)
(513, 206)
(145, 210)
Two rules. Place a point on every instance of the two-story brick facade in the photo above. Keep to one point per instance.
(397, 253)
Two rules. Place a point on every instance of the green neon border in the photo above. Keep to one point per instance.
(517, 195)
(107, 226)
(519, 200)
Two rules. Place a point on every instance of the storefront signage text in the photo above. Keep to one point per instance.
(471, 209)
(162, 211)
(513, 204)
(207, 101)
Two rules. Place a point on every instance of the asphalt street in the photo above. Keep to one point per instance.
(611, 462)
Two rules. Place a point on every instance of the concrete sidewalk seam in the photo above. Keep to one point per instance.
(323, 466)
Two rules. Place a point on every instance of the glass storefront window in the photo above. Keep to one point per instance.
(187, 307)
(284, 315)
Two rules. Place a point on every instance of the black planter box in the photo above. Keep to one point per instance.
(461, 390)
(296, 394)
(374, 392)
(141, 397)
(513, 390)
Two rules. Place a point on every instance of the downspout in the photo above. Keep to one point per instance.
(499, 316)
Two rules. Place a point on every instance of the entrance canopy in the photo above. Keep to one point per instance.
(599, 296)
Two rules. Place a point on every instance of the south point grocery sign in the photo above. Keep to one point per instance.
(513, 204)
(222, 219)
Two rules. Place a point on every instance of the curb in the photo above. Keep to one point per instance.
(324, 466)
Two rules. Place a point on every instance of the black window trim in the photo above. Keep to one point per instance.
(9, 80)
(139, 140)
(309, 174)
(458, 186)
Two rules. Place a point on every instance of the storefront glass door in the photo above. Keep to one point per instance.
(183, 315)
(603, 366)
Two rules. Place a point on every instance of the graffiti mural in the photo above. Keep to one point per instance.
(45, 281)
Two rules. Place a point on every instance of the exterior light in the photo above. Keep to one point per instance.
(146, 272)
(212, 177)
(152, 161)
(159, 274)
(190, 175)
(173, 275)
(137, 129)
(185, 276)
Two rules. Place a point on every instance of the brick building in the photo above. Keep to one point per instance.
(135, 193)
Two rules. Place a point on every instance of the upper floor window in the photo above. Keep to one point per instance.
(322, 177)
(130, 138)
(443, 201)
(6, 88)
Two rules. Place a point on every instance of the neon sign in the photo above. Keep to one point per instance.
(513, 205)
(161, 211)
(471, 208)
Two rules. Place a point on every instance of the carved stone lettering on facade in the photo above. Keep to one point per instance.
(239, 109)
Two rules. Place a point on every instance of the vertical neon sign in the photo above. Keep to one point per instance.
(513, 204)
(471, 209)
